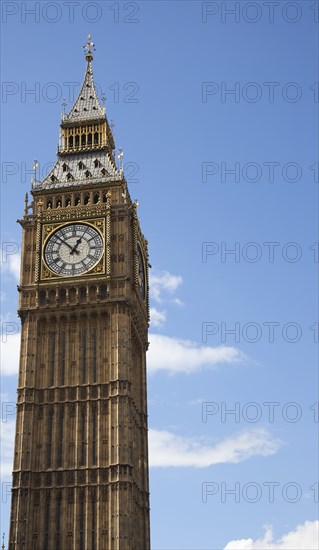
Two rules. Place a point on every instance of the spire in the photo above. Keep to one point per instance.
(86, 152)
(87, 105)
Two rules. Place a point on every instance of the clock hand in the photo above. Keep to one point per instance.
(74, 249)
(63, 242)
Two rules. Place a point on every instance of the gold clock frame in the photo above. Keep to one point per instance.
(102, 265)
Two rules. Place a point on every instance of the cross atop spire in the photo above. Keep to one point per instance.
(88, 48)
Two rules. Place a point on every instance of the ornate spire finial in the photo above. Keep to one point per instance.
(120, 157)
(88, 48)
(26, 200)
(35, 166)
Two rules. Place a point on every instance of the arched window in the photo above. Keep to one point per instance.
(42, 298)
(83, 139)
(77, 200)
(96, 138)
(71, 141)
(90, 139)
(52, 296)
(96, 198)
(92, 293)
(103, 292)
(77, 141)
(82, 294)
(62, 296)
(58, 202)
(86, 198)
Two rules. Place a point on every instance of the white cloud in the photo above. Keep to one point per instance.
(178, 302)
(184, 356)
(304, 537)
(10, 352)
(158, 318)
(197, 401)
(7, 443)
(168, 449)
(163, 281)
(12, 265)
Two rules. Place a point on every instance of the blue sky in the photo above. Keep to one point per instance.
(167, 69)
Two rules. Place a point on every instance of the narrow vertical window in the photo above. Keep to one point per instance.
(83, 440)
(49, 448)
(93, 523)
(94, 436)
(94, 354)
(60, 443)
(84, 356)
(63, 337)
(58, 522)
(70, 511)
(47, 522)
(82, 525)
(35, 521)
(52, 356)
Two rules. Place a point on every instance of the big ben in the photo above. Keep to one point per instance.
(80, 474)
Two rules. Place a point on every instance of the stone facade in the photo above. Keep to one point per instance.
(80, 477)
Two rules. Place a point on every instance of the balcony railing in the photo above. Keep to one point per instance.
(80, 148)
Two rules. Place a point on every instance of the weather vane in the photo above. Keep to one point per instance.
(64, 104)
(3, 547)
(89, 46)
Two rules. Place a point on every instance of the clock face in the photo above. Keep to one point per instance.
(73, 249)
(140, 273)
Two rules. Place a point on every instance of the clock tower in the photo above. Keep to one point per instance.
(80, 475)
